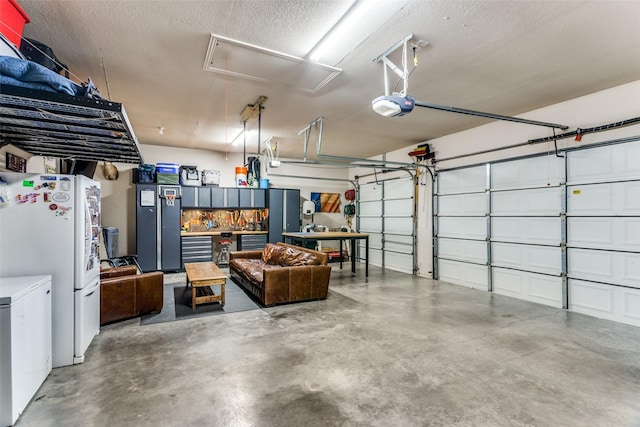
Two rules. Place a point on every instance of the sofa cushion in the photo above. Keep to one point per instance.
(294, 257)
(271, 254)
(252, 269)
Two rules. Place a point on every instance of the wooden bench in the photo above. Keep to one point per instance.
(201, 276)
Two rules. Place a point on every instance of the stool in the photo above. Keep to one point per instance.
(225, 242)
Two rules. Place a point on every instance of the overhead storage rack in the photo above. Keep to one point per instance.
(67, 127)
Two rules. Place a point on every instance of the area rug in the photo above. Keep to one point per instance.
(177, 303)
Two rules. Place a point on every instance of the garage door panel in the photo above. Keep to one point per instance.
(463, 250)
(620, 268)
(402, 207)
(370, 225)
(464, 274)
(463, 204)
(398, 189)
(541, 201)
(375, 257)
(375, 241)
(608, 162)
(399, 262)
(615, 303)
(617, 198)
(533, 287)
(617, 233)
(531, 172)
(540, 259)
(536, 230)
(370, 192)
(396, 246)
(466, 180)
(398, 225)
(371, 208)
(466, 228)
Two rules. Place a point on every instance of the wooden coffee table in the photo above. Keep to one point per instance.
(201, 276)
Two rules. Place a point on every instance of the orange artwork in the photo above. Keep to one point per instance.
(326, 202)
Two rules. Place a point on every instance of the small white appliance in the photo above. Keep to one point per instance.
(308, 207)
(25, 342)
(51, 225)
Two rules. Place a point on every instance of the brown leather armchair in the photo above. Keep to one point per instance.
(125, 294)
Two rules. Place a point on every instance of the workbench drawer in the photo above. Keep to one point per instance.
(250, 242)
(196, 249)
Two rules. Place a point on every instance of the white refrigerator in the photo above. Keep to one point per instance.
(50, 224)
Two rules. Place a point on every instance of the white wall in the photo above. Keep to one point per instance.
(609, 106)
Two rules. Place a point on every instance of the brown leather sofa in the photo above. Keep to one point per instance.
(281, 273)
(125, 294)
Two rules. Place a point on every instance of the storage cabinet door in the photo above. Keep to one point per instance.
(276, 204)
(292, 210)
(188, 197)
(217, 197)
(259, 199)
(233, 198)
(204, 197)
(146, 228)
(245, 197)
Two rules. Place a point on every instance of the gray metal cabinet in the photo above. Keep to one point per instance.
(284, 212)
(196, 249)
(196, 197)
(146, 227)
(245, 197)
(217, 197)
(169, 233)
(292, 210)
(248, 242)
(259, 198)
(189, 197)
(233, 198)
(204, 197)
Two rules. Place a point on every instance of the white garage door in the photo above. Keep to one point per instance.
(562, 231)
(461, 227)
(526, 229)
(603, 230)
(386, 213)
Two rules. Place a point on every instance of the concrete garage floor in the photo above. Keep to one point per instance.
(396, 351)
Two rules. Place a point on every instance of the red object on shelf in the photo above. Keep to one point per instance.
(12, 21)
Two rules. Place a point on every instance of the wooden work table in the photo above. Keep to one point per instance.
(335, 235)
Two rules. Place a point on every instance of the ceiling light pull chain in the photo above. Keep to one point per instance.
(226, 108)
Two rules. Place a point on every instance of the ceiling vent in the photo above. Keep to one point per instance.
(247, 61)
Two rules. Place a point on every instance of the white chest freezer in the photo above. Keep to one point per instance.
(25, 342)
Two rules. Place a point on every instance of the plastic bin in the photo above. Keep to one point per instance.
(167, 168)
(13, 20)
(110, 237)
(167, 178)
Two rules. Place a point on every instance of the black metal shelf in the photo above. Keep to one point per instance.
(59, 125)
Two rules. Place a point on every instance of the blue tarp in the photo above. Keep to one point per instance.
(28, 74)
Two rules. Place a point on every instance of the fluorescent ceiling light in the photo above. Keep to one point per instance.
(392, 106)
(238, 140)
(348, 20)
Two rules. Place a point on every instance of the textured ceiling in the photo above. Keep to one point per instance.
(504, 57)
